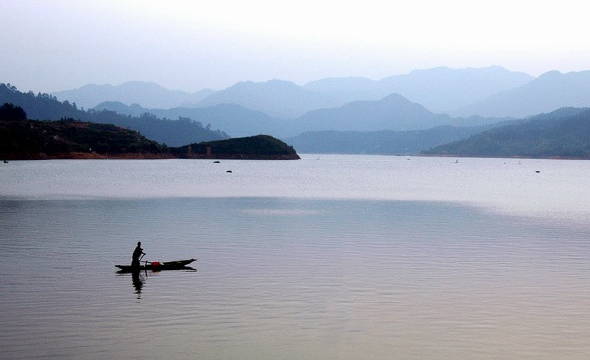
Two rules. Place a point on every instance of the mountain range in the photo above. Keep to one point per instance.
(564, 133)
(385, 142)
(394, 112)
(546, 93)
(233, 119)
(439, 89)
(278, 98)
(487, 92)
(391, 115)
(133, 92)
(171, 132)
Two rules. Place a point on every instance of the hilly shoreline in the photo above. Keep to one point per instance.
(561, 134)
(24, 139)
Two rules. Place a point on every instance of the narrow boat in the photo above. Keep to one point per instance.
(157, 266)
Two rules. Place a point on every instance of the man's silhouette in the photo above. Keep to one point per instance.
(136, 255)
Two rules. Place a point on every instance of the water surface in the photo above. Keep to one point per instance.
(345, 257)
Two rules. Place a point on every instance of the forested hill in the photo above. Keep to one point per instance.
(171, 132)
(21, 138)
(24, 139)
(259, 147)
(564, 133)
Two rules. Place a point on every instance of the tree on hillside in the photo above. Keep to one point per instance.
(10, 112)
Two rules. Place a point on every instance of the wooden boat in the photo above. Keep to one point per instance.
(157, 266)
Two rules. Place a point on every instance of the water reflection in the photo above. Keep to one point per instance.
(137, 280)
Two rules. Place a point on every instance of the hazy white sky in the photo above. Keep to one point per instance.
(60, 44)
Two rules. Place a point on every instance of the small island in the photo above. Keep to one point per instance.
(25, 139)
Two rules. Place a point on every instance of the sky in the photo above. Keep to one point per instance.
(190, 45)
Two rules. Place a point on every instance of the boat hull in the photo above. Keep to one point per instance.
(158, 266)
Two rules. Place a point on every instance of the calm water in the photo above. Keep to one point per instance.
(331, 257)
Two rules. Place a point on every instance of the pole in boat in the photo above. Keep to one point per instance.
(139, 262)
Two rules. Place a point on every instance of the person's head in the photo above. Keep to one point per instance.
(139, 243)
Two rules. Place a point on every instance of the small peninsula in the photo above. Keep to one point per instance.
(259, 147)
(25, 139)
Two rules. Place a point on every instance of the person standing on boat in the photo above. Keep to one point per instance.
(136, 255)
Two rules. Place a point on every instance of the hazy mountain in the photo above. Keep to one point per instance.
(561, 133)
(438, 89)
(548, 92)
(345, 85)
(277, 98)
(379, 142)
(47, 107)
(134, 92)
(232, 119)
(393, 112)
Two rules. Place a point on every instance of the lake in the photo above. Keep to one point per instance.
(329, 257)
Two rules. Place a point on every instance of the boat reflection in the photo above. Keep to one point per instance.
(139, 277)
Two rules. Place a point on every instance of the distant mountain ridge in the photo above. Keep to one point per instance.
(393, 112)
(147, 94)
(438, 89)
(47, 107)
(548, 92)
(234, 119)
(385, 142)
(278, 98)
(564, 133)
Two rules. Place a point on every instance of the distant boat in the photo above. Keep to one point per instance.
(537, 171)
(228, 171)
(216, 162)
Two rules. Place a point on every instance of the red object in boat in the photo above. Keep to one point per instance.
(155, 264)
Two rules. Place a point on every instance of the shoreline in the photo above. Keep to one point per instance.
(504, 157)
(142, 156)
